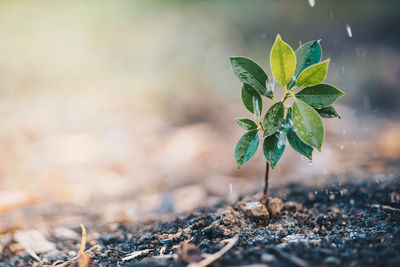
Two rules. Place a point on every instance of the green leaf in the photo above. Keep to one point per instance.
(251, 96)
(282, 61)
(273, 119)
(246, 147)
(306, 55)
(246, 124)
(273, 147)
(250, 73)
(319, 96)
(294, 141)
(308, 124)
(313, 75)
(328, 112)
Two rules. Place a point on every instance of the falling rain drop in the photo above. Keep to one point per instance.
(230, 189)
(393, 197)
(312, 3)
(349, 33)
(310, 162)
(341, 147)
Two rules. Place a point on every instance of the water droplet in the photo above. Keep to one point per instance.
(341, 193)
(311, 2)
(299, 42)
(326, 191)
(310, 162)
(281, 139)
(230, 189)
(348, 29)
(393, 197)
(316, 192)
(341, 147)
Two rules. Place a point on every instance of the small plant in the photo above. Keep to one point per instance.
(302, 127)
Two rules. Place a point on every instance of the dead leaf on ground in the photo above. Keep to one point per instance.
(34, 240)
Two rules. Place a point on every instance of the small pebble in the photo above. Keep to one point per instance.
(332, 260)
(55, 255)
(266, 257)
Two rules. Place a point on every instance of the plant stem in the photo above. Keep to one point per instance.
(265, 195)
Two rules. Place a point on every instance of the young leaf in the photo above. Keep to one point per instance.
(306, 55)
(328, 112)
(246, 147)
(308, 124)
(294, 141)
(320, 95)
(313, 75)
(246, 124)
(273, 147)
(250, 73)
(249, 97)
(273, 119)
(282, 61)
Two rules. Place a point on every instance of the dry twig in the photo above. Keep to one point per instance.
(135, 254)
(77, 258)
(83, 241)
(210, 259)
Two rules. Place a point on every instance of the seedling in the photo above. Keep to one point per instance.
(302, 126)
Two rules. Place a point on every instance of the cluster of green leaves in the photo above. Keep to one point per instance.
(302, 127)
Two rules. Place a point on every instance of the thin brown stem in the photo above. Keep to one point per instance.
(265, 195)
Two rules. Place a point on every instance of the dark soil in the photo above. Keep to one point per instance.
(343, 225)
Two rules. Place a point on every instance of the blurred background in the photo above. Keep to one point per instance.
(124, 110)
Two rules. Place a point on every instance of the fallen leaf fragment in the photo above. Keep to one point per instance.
(33, 240)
